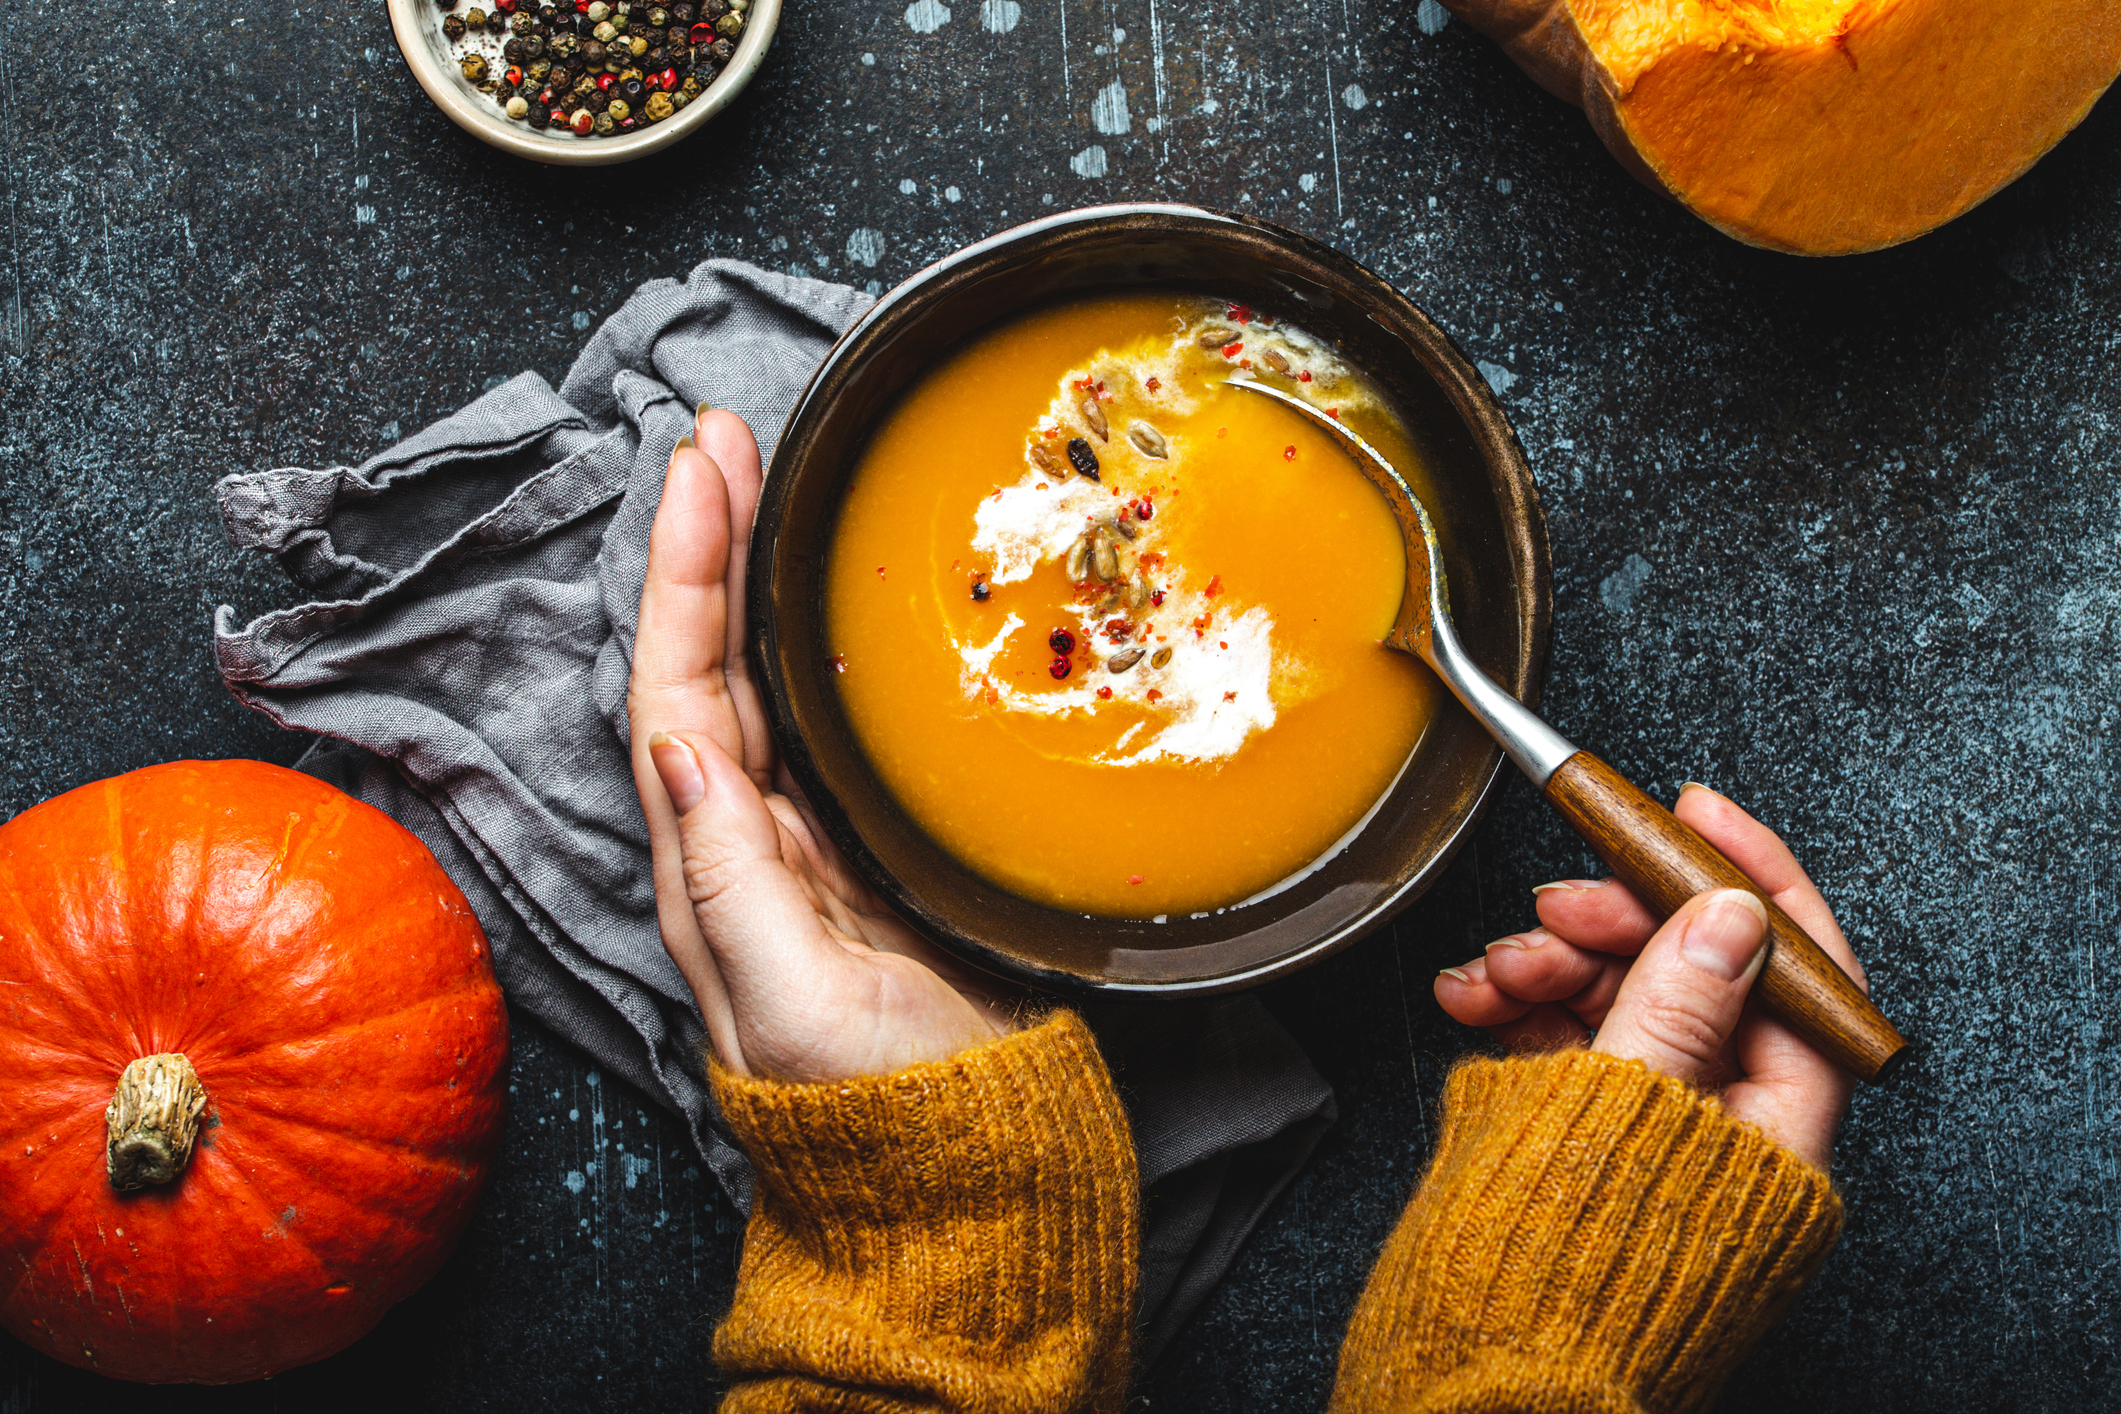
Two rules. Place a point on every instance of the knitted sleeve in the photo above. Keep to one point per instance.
(1591, 1238)
(957, 1236)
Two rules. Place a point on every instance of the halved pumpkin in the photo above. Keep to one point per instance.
(1820, 127)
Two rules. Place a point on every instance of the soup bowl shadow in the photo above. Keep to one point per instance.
(1483, 497)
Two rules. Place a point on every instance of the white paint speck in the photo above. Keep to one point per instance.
(1209, 105)
(574, 1181)
(1090, 162)
(1504, 185)
(1308, 182)
(1108, 113)
(1499, 378)
(869, 61)
(1154, 125)
(927, 16)
(1432, 17)
(1354, 97)
(364, 215)
(999, 16)
(360, 183)
(580, 322)
(1119, 36)
(952, 194)
(907, 186)
(1620, 589)
(865, 246)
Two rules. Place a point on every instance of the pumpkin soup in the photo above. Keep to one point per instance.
(1108, 629)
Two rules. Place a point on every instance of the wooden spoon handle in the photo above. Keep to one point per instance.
(1666, 864)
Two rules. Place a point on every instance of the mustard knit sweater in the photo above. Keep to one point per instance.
(1590, 1237)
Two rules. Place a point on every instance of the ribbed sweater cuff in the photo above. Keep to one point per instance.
(1591, 1235)
(962, 1233)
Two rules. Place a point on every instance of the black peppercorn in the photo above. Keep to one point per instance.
(453, 26)
(712, 10)
(540, 115)
(592, 54)
(496, 22)
(676, 37)
(721, 50)
(681, 13)
(596, 100)
(632, 90)
(564, 46)
(655, 61)
(512, 51)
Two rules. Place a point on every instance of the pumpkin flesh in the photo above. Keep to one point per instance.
(333, 992)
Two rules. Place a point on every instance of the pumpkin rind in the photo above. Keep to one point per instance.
(332, 990)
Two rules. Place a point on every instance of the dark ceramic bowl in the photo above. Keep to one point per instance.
(1501, 591)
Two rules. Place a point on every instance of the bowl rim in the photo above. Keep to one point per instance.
(1524, 532)
(470, 111)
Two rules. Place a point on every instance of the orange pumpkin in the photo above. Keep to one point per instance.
(233, 964)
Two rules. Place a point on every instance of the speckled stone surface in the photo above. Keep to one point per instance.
(1839, 538)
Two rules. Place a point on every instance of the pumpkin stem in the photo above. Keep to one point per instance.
(153, 1120)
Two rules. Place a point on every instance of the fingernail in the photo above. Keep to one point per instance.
(702, 410)
(1523, 942)
(679, 770)
(683, 443)
(1728, 936)
(1574, 886)
(1685, 786)
(1456, 974)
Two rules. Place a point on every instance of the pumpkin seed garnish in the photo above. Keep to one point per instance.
(1273, 359)
(1079, 560)
(1148, 441)
(1163, 656)
(1082, 458)
(1043, 460)
(1114, 526)
(1094, 414)
(1104, 558)
(1217, 336)
(1120, 662)
(1142, 593)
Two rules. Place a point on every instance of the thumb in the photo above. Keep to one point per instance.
(1681, 1000)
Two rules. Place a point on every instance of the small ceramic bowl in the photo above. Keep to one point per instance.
(417, 24)
(1496, 557)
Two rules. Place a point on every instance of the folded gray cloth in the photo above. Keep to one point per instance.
(466, 661)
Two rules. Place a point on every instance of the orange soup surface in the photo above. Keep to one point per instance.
(1110, 630)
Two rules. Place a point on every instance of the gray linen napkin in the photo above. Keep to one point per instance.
(465, 661)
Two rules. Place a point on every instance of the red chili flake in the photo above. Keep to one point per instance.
(1288, 453)
(1241, 313)
(1244, 363)
(879, 571)
(1215, 585)
(997, 490)
(1060, 667)
(1304, 377)
(1041, 485)
(1233, 350)
(839, 662)
(1134, 878)
(1222, 643)
(1229, 696)
(1155, 696)
(1104, 694)
(1157, 598)
(1118, 630)
(1333, 413)
(1222, 431)
(1153, 384)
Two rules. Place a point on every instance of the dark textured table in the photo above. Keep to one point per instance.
(1838, 537)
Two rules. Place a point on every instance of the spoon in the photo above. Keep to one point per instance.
(1663, 861)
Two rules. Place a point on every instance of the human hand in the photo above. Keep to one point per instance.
(1601, 970)
(801, 973)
